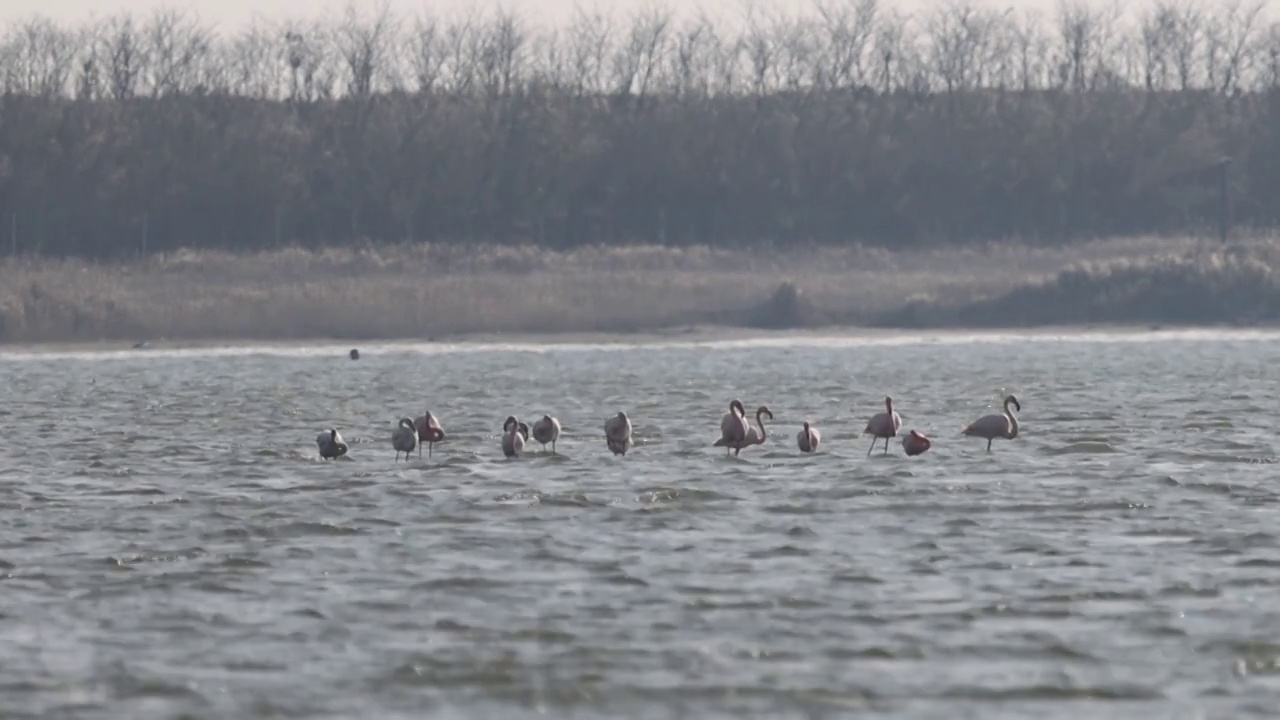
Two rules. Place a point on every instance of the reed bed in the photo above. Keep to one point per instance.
(432, 291)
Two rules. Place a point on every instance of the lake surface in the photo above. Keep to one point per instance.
(171, 545)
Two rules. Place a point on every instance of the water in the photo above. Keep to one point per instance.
(170, 545)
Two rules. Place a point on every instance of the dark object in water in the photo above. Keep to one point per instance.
(916, 443)
(354, 354)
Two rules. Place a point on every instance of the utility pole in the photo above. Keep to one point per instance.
(1224, 199)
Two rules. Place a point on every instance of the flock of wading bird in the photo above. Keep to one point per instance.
(735, 432)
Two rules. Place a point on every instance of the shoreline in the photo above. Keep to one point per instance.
(686, 335)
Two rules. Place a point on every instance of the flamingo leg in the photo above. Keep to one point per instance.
(553, 447)
(873, 445)
(989, 444)
(886, 445)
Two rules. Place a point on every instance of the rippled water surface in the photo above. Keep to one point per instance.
(171, 545)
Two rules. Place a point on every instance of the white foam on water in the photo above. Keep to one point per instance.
(624, 343)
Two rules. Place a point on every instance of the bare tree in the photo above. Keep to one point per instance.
(460, 40)
(177, 47)
(1269, 58)
(39, 57)
(637, 59)
(1229, 36)
(306, 52)
(548, 63)
(88, 77)
(1158, 30)
(799, 57)
(727, 60)
(592, 34)
(847, 28)
(252, 64)
(1079, 31)
(961, 38)
(125, 53)
(516, 131)
(896, 53)
(1185, 40)
(427, 53)
(1028, 41)
(689, 59)
(761, 50)
(500, 54)
(363, 44)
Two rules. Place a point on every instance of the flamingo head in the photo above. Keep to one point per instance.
(764, 410)
(509, 423)
(888, 404)
(806, 426)
(1013, 400)
(736, 405)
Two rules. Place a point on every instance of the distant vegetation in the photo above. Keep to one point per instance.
(1238, 285)
(851, 124)
(425, 291)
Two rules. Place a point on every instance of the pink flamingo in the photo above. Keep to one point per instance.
(617, 433)
(808, 438)
(883, 425)
(754, 438)
(733, 427)
(1002, 424)
(430, 432)
(916, 443)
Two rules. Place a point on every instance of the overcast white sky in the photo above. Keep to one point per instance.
(232, 13)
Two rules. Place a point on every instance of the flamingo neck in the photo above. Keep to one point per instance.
(1013, 420)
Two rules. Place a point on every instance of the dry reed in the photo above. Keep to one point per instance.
(424, 291)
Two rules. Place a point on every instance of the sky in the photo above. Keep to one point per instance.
(231, 14)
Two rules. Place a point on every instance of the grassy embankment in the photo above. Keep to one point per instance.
(437, 291)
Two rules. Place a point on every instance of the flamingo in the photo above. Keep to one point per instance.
(404, 438)
(883, 425)
(733, 427)
(617, 433)
(513, 440)
(1003, 424)
(916, 443)
(808, 438)
(430, 431)
(547, 430)
(754, 438)
(331, 444)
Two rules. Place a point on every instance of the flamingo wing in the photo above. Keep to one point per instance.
(733, 428)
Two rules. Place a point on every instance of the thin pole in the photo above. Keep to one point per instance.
(1224, 200)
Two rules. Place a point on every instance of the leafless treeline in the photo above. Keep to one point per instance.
(851, 122)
